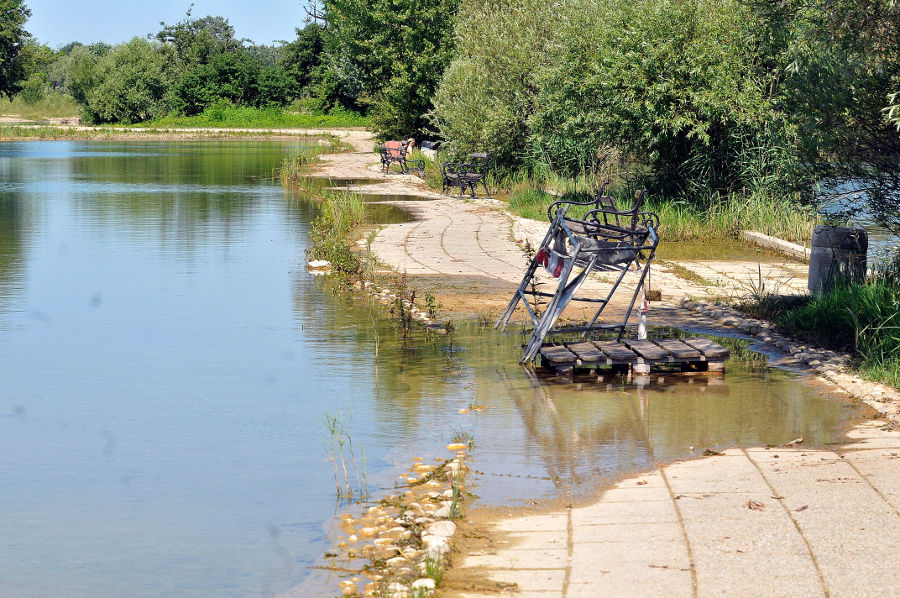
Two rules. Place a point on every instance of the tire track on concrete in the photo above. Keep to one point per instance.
(407, 252)
(484, 249)
(684, 533)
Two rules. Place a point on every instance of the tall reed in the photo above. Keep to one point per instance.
(680, 219)
(340, 213)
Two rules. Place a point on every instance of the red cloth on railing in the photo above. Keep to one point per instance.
(552, 262)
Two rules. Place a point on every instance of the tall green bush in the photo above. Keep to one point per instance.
(676, 86)
(841, 68)
(676, 90)
(489, 91)
(131, 84)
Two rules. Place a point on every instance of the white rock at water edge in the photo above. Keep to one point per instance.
(318, 266)
(425, 582)
(444, 529)
(442, 513)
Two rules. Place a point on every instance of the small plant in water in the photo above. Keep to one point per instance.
(454, 503)
(430, 306)
(342, 457)
(402, 307)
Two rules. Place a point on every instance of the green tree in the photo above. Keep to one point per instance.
(195, 41)
(130, 84)
(490, 89)
(13, 14)
(842, 65)
(394, 52)
(301, 60)
(681, 91)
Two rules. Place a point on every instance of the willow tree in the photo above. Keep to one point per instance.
(489, 91)
(842, 74)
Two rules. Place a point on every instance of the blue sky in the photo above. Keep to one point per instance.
(57, 22)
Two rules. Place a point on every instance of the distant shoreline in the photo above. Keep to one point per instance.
(15, 129)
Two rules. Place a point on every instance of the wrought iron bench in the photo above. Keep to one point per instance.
(466, 175)
(397, 152)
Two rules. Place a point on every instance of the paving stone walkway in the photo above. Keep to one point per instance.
(753, 522)
(459, 237)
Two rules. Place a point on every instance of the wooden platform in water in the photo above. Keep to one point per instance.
(689, 354)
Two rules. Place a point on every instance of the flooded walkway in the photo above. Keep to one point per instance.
(747, 522)
(754, 521)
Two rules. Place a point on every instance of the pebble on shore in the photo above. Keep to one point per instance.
(401, 534)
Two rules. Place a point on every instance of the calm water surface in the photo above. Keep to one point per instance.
(166, 366)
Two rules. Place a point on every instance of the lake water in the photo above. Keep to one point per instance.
(167, 365)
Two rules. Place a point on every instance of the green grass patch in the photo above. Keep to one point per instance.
(860, 318)
(52, 105)
(680, 220)
(341, 212)
(230, 116)
(295, 168)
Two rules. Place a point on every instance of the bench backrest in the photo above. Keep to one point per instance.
(479, 162)
(396, 149)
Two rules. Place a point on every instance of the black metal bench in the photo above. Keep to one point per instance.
(397, 152)
(466, 175)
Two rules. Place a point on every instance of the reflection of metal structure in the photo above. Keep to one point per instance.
(582, 442)
(604, 240)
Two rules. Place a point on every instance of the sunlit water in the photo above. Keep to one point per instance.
(167, 365)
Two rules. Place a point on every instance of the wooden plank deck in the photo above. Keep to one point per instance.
(692, 354)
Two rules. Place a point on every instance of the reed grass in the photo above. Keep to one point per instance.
(340, 213)
(52, 105)
(680, 220)
(350, 478)
(295, 168)
(862, 318)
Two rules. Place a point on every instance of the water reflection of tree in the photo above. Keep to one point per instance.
(186, 191)
(15, 226)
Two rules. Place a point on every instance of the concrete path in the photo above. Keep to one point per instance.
(752, 522)
(478, 237)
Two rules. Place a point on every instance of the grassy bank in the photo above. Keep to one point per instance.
(340, 213)
(52, 105)
(220, 115)
(10, 132)
(682, 221)
(295, 168)
(862, 319)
